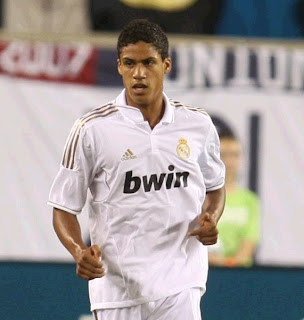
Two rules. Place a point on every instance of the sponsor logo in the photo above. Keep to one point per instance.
(155, 181)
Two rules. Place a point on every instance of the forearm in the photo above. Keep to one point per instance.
(216, 259)
(68, 231)
(245, 253)
(212, 210)
(88, 259)
(214, 203)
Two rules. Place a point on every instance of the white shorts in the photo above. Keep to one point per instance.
(181, 306)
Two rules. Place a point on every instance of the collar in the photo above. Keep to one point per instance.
(136, 115)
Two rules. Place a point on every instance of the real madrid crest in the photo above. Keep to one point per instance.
(183, 150)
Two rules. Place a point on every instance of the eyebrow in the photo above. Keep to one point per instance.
(133, 60)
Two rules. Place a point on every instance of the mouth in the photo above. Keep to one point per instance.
(139, 87)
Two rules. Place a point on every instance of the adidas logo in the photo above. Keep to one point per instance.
(128, 155)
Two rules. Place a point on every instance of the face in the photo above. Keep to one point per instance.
(143, 70)
(231, 156)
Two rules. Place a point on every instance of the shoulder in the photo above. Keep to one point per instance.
(197, 117)
(79, 134)
(190, 110)
(96, 116)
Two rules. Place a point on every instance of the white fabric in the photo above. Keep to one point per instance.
(141, 225)
(181, 306)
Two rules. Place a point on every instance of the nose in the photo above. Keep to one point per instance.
(139, 72)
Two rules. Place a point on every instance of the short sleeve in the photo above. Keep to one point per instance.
(212, 167)
(69, 188)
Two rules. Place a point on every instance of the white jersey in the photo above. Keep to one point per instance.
(147, 189)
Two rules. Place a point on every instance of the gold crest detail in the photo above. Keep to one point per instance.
(183, 150)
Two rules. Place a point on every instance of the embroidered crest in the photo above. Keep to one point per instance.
(183, 150)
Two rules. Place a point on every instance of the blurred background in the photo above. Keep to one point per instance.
(243, 61)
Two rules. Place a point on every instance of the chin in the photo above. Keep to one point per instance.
(141, 103)
(140, 99)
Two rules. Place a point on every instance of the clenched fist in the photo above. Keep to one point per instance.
(207, 231)
(89, 263)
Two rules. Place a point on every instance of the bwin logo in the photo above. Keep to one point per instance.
(169, 180)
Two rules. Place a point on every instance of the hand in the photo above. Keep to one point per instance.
(207, 231)
(89, 263)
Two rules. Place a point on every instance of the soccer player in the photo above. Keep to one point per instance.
(156, 180)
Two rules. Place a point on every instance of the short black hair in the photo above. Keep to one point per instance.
(146, 31)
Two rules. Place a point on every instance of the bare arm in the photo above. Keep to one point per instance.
(88, 259)
(244, 254)
(212, 210)
(214, 203)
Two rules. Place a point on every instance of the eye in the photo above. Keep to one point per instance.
(149, 62)
(128, 63)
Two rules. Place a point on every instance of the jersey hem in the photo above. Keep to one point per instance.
(135, 302)
(55, 205)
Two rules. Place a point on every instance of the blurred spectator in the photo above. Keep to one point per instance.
(239, 224)
(51, 16)
(184, 16)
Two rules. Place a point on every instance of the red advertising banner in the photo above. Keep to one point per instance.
(74, 63)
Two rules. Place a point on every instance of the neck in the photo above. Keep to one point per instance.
(153, 114)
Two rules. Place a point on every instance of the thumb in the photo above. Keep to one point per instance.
(96, 252)
(205, 217)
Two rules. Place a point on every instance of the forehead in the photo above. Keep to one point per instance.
(138, 51)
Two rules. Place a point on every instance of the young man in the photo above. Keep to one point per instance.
(157, 183)
(240, 223)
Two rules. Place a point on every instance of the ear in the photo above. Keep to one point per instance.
(167, 65)
(119, 66)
